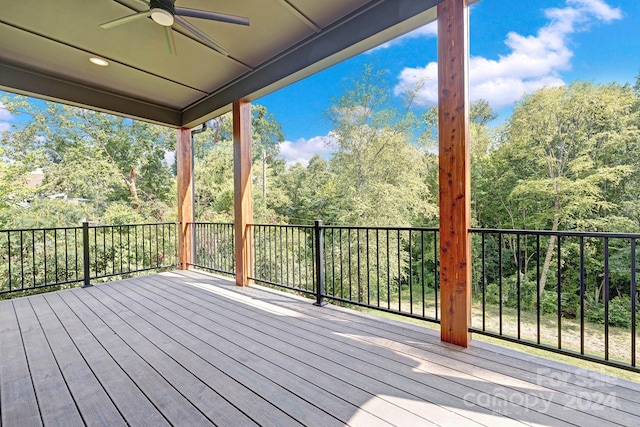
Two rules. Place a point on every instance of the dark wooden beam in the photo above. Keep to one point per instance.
(184, 163)
(24, 81)
(243, 199)
(374, 23)
(454, 175)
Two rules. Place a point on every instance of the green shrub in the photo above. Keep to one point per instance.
(119, 213)
(528, 291)
(619, 312)
(492, 294)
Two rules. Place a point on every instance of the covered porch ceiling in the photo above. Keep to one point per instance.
(46, 47)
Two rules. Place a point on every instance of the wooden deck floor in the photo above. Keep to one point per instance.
(190, 349)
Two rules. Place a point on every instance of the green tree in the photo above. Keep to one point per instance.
(266, 134)
(214, 184)
(379, 171)
(213, 152)
(567, 160)
(95, 156)
(309, 193)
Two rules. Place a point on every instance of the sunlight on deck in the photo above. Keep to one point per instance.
(264, 306)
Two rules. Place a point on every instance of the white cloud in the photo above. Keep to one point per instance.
(429, 30)
(302, 150)
(599, 8)
(169, 157)
(5, 116)
(4, 113)
(534, 61)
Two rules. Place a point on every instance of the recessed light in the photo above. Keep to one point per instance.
(98, 61)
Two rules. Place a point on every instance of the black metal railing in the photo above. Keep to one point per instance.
(213, 246)
(116, 250)
(570, 292)
(387, 268)
(48, 257)
(284, 255)
(33, 258)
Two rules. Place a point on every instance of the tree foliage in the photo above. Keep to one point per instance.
(377, 174)
(90, 156)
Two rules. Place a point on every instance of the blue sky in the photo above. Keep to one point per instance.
(516, 47)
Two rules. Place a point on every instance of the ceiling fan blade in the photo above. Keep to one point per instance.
(142, 2)
(171, 43)
(126, 19)
(212, 16)
(201, 36)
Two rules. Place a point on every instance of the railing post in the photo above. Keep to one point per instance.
(85, 254)
(319, 235)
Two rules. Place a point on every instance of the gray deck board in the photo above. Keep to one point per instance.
(54, 398)
(197, 385)
(18, 403)
(439, 384)
(141, 366)
(329, 394)
(93, 402)
(335, 366)
(131, 402)
(189, 348)
(547, 395)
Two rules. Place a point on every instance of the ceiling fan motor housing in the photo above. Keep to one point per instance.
(168, 5)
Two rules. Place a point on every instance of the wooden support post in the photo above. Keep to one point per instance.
(243, 199)
(454, 175)
(184, 162)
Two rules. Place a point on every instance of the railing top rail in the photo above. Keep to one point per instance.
(283, 225)
(23, 230)
(208, 222)
(352, 227)
(555, 233)
(131, 225)
(384, 228)
(19, 230)
(432, 229)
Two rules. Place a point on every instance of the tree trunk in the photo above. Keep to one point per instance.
(264, 175)
(547, 258)
(133, 190)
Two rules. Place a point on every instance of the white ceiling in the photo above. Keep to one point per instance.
(45, 48)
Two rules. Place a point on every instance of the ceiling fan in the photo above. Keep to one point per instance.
(165, 13)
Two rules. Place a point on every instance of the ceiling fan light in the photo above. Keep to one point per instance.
(162, 17)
